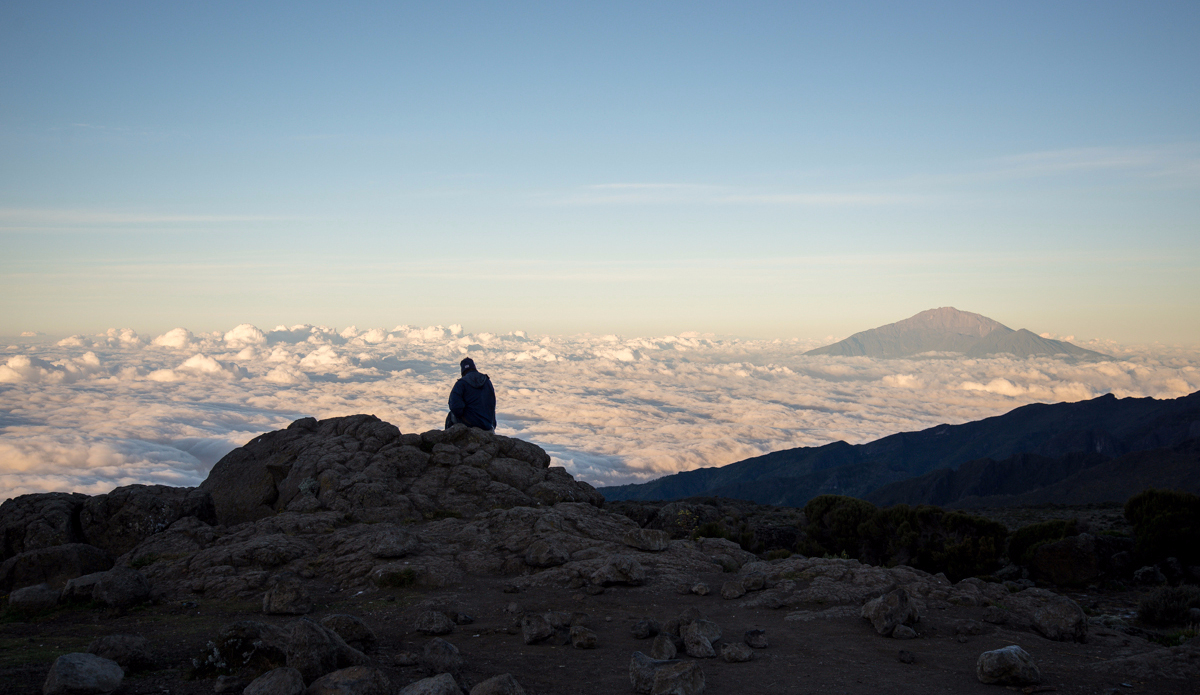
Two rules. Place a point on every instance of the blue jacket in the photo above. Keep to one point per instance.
(473, 401)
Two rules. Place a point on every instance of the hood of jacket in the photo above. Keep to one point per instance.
(475, 379)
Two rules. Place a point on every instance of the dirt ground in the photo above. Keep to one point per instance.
(823, 655)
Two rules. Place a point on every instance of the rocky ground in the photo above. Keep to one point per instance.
(353, 553)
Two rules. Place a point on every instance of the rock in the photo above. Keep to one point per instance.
(439, 656)
(1146, 575)
(1008, 666)
(406, 659)
(646, 539)
(546, 553)
(620, 569)
(641, 672)
(678, 678)
(906, 657)
(53, 565)
(357, 680)
(39, 520)
(232, 684)
(1061, 619)
(442, 684)
(736, 652)
(433, 623)
(663, 648)
(756, 638)
(118, 521)
(535, 628)
(995, 615)
(504, 684)
(287, 596)
(121, 587)
(82, 674)
(279, 681)
(31, 600)
(754, 581)
(904, 632)
(710, 630)
(645, 628)
(695, 643)
(582, 638)
(732, 590)
(352, 630)
(248, 647)
(700, 589)
(892, 609)
(131, 652)
(315, 650)
(80, 588)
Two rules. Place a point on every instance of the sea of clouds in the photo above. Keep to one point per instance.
(92, 412)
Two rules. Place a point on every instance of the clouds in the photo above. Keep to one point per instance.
(93, 412)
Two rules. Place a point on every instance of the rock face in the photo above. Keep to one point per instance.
(53, 565)
(1008, 666)
(41, 520)
(83, 674)
(366, 468)
(118, 521)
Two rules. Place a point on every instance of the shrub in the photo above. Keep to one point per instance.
(712, 529)
(1166, 523)
(779, 554)
(833, 522)
(1169, 605)
(1027, 539)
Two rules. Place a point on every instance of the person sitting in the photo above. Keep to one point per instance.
(472, 400)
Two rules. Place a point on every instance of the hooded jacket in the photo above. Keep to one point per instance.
(473, 400)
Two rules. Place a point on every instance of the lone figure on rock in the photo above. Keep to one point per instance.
(472, 400)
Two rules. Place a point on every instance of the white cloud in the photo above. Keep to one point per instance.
(96, 413)
(30, 334)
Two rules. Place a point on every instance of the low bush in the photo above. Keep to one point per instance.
(1027, 539)
(1166, 523)
(1169, 605)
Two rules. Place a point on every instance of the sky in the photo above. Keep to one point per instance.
(759, 170)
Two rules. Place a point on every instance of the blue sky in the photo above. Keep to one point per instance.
(770, 170)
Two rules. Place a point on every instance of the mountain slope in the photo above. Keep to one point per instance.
(1106, 425)
(949, 330)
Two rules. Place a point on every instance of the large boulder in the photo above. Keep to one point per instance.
(53, 565)
(82, 674)
(118, 521)
(121, 587)
(31, 600)
(39, 520)
(442, 684)
(131, 652)
(890, 611)
(1008, 666)
(352, 630)
(315, 650)
(1054, 616)
(355, 680)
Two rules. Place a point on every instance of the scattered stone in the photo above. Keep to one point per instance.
(439, 656)
(121, 587)
(736, 652)
(582, 638)
(695, 643)
(352, 630)
(83, 674)
(904, 632)
(700, 589)
(433, 623)
(279, 681)
(906, 657)
(31, 600)
(663, 647)
(678, 678)
(535, 628)
(1008, 666)
(620, 569)
(504, 684)
(732, 590)
(357, 680)
(645, 628)
(756, 639)
(892, 609)
(131, 652)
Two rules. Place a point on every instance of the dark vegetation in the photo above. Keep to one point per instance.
(1170, 605)
(1026, 540)
(1166, 523)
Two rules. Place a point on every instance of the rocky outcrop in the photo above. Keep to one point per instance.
(40, 520)
(118, 521)
(54, 565)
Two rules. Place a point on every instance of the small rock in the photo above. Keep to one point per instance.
(695, 643)
(503, 684)
(535, 628)
(906, 657)
(582, 638)
(1008, 666)
(678, 678)
(463, 619)
(131, 652)
(732, 590)
(511, 589)
(287, 597)
(700, 589)
(31, 600)
(433, 623)
(357, 680)
(645, 628)
(904, 632)
(736, 652)
(440, 656)
(83, 674)
(663, 647)
(280, 681)
(756, 638)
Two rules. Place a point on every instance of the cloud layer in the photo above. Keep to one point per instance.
(89, 413)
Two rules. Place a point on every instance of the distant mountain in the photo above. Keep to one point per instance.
(949, 330)
(1108, 426)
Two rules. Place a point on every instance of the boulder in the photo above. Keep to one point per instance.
(131, 652)
(440, 656)
(700, 589)
(756, 639)
(287, 596)
(641, 672)
(354, 680)
(80, 588)
(39, 520)
(546, 553)
(736, 652)
(118, 521)
(754, 581)
(279, 681)
(663, 648)
(315, 650)
(248, 647)
(1061, 619)
(121, 587)
(442, 684)
(620, 569)
(696, 643)
(732, 589)
(82, 674)
(504, 684)
(892, 609)
(54, 565)
(352, 630)
(535, 628)
(645, 628)
(582, 638)
(31, 600)
(678, 678)
(433, 623)
(1008, 666)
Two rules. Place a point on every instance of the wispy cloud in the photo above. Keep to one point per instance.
(667, 193)
(58, 218)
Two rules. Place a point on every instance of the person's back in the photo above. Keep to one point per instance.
(472, 400)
